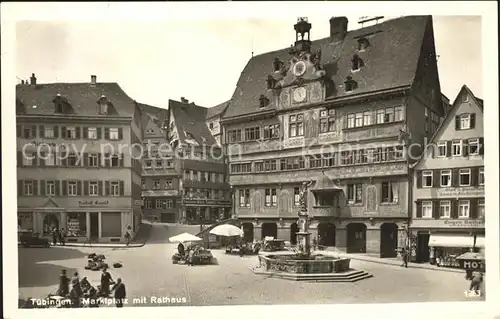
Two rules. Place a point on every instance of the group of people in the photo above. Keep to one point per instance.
(190, 253)
(81, 288)
(58, 235)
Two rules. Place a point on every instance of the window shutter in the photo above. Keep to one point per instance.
(481, 145)
(19, 158)
(472, 120)
(122, 188)
(86, 188)
(35, 187)
(473, 208)
(56, 131)
(474, 178)
(436, 176)
(419, 209)
(41, 159)
(58, 188)
(448, 148)
(455, 176)
(454, 209)
(42, 131)
(108, 188)
(457, 122)
(106, 133)
(120, 133)
(33, 130)
(63, 131)
(79, 188)
(435, 209)
(64, 187)
(19, 130)
(419, 179)
(465, 148)
(107, 160)
(345, 121)
(121, 159)
(85, 132)
(20, 187)
(99, 133)
(100, 188)
(43, 191)
(64, 159)
(85, 159)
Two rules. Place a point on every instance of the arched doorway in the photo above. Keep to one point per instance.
(356, 238)
(326, 234)
(247, 232)
(388, 240)
(293, 233)
(50, 221)
(269, 230)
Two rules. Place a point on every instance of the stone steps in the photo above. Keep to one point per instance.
(349, 276)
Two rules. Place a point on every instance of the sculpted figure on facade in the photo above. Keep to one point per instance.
(303, 195)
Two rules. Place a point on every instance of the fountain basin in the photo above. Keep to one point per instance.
(297, 264)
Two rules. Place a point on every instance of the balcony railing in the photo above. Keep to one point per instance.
(325, 211)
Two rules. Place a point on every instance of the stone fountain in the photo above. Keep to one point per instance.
(304, 265)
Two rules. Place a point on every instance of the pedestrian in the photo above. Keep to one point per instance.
(76, 277)
(127, 238)
(315, 243)
(190, 257)
(63, 289)
(475, 283)
(75, 294)
(62, 238)
(120, 293)
(55, 235)
(404, 257)
(180, 249)
(106, 281)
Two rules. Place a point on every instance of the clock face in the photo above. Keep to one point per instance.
(299, 68)
(299, 94)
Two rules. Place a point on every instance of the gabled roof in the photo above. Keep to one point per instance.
(152, 113)
(190, 122)
(82, 97)
(390, 62)
(445, 122)
(217, 110)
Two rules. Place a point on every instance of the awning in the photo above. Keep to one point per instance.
(480, 241)
(449, 240)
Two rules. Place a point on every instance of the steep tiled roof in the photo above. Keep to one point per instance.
(390, 62)
(83, 98)
(190, 120)
(156, 114)
(217, 110)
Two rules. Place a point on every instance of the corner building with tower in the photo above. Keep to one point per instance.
(339, 111)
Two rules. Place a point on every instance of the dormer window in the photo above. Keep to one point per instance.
(271, 82)
(263, 101)
(357, 63)
(363, 44)
(61, 105)
(350, 84)
(103, 105)
(277, 65)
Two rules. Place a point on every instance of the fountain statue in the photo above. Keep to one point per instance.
(304, 265)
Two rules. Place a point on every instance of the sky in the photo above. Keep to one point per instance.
(202, 59)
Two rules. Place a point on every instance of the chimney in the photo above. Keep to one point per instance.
(93, 79)
(184, 100)
(22, 82)
(338, 28)
(33, 79)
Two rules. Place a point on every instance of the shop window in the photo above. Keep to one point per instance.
(444, 209)
(111, 224)
(464, 177)
(463, 208)
(76, 225)
(446, 178)
(427, 209)
(427, 179)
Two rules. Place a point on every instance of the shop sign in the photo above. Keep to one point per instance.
(93, 203)
(461, 191)
(472, 264)
(464, 223)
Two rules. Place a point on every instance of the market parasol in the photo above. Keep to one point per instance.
(226, 230)
(184, 237)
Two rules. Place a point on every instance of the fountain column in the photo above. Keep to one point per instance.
(303, 235)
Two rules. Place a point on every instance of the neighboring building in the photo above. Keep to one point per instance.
(214, 115)
(448, 209)
(338, 111)
(74, 175)
(205, 192)
(160, 178)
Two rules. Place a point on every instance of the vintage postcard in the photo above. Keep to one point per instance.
(170, 156)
